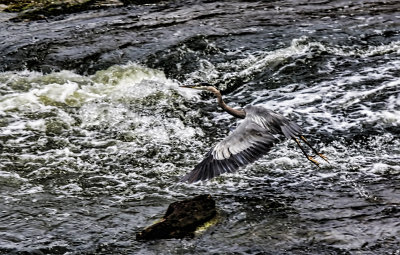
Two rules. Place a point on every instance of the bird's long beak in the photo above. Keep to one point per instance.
(190, 86)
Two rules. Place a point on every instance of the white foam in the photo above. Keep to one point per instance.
(11, 176)
(382, 168)
(330, 96)
(108, 98)
(18, 125)
(19, 101)
(285, 162)
(39, 125)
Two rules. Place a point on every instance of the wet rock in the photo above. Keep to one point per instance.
(126, 2)
(40, 9)
(181, 219)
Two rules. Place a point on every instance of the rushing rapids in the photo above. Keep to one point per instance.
(95, 131)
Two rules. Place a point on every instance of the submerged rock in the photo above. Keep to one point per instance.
(181, 219)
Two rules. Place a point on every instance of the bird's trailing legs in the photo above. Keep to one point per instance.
(312, 148)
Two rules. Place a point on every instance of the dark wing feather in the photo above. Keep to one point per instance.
(245, 145)
(272, 121)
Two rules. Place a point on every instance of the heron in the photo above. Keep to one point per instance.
(252, 139)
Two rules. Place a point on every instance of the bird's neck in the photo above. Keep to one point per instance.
(234, 112)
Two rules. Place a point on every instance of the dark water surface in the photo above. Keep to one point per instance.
(95, 131)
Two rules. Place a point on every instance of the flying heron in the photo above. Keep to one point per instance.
(251, 140)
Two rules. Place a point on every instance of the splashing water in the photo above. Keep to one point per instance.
(101, 154)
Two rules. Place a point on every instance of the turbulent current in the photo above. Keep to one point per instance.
(95, 133)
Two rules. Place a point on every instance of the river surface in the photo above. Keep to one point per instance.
(95, 131)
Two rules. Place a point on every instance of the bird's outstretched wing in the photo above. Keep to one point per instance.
(251, 140)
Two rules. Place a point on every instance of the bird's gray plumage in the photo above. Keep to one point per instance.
(251, 140)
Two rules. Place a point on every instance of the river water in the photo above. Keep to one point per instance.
(95, 131)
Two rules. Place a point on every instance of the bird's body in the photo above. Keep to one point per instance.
(251, 140)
